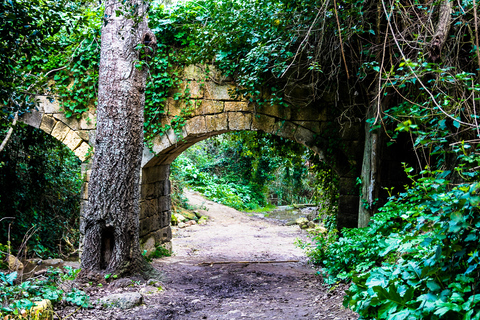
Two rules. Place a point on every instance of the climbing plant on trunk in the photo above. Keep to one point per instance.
(111, 225)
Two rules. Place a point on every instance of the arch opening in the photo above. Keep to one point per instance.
(156, 187)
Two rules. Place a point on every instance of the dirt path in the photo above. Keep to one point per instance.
(234, 291)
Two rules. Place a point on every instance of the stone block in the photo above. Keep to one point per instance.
(92, 134)
(239, 121)
(348, 204)
(154, 174)
(304, 136)
(155, 190)
(217, 122)
(309, 113)
(82, 226)
(154, 222)
(263, 123)
(196, 89)
(83, 207)
(47, 124)
(72, 122)
(275, 111)
(219, 92)
(33, 118)
(236, 106)
(148, 208)
(82, 151)
(163, 203)
(165, 219)
(163, 235)
(149, 224)
(72, 140)
(60, 131)
(148, 157)
(348, 211)
(348, 186)
(196, 125)
(208, 107)
(49, 106)
(161, 143)
(174, 107)
(313, 126)
(318, 151)
(285, 129)
(148, 191)
(148, 244)
(84, 134)
(85, 167)
(88, 121)
(193, 72)
(84, 192)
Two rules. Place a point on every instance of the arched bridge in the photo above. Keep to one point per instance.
(212, 110)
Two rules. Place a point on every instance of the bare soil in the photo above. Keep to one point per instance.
(238, 290)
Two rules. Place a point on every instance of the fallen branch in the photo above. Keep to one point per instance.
(244, 262)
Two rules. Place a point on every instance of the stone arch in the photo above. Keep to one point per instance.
(215, 112)
(75, 133)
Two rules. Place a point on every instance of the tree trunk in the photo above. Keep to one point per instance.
(111, 243)
(370, 171)
(443, 27)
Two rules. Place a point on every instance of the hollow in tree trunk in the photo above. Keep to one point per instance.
(111, 222)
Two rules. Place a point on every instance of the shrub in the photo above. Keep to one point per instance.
(418, 258)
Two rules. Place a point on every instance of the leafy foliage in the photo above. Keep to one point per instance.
(18, 297)
(418, 258)
(246, 170)
(39, 187)
(28, 36)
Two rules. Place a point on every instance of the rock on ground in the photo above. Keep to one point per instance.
(125, 300)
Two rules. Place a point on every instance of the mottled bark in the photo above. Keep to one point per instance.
(441, 33)
(111, 243)
(370, 171)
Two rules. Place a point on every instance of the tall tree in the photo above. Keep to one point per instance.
(111, 243)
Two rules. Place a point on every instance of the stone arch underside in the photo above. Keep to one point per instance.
(210, 109)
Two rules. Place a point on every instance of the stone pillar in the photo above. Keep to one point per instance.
(347, 203)
(155, 213)
(348, 166)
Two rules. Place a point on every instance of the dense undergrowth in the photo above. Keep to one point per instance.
(18, 300)
(418, 258)
(39, 196)
(246, 170)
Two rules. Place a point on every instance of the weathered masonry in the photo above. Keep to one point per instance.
(212, 110)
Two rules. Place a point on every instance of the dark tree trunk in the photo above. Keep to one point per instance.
(111, 243)
(370, 171)
(441, 33)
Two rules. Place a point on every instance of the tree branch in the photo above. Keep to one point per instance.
(9, 133)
